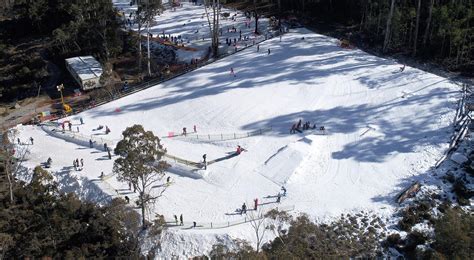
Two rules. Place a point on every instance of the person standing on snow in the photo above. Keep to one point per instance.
(31, 140)
(232, 72)
(18, 140)
(82, 162)
(278, 198)
(258, 47)
(184, 131)
(255, 205)
(268, 51)
(74, 163)
(195, 129)
(284, 190)
(181, 220)
(244, 209)
(176, 219)
(105, 147)
(90, 143)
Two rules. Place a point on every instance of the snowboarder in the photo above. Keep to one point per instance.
(31, 140)
(127, 199)
(195, 129)
(268, 51)
(176, 219)
(184, 131)
(82, 121)
(278, 198)
(82, 162)
(239, 150)
(181, 219)
(255, 205)
(244, 209)
(90, 143)
(284, 190)
(49, 162)
(402, 68)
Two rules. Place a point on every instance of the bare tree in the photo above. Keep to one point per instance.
(214, 26)
(388, 27)
(258, 223)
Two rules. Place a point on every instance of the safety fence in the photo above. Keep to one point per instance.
(218, 137)
(98, 142)
(218, 225)
(462, 120)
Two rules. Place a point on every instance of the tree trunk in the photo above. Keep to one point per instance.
(388, 28)
(428, 22)
(417, 25)
(148, 47)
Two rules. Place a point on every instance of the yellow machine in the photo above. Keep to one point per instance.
(67, 108)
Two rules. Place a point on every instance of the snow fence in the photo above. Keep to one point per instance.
(219, 225)
(218, 137)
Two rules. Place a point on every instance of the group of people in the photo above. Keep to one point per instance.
(243, 208)
(300, 126)
(77, 166)
(185, 132)
(19, 141)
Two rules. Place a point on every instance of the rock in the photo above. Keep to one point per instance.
(459, 158)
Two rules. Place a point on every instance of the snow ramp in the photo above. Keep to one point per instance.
(280, 166)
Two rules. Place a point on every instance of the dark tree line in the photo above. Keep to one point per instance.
(441, 30)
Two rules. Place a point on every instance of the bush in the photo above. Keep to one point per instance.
(453, 235)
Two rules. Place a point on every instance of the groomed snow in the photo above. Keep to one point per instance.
(384, 129)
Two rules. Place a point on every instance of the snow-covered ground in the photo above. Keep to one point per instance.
(384, 129)
(190, 23)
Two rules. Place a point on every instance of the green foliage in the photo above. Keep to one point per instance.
(454, 235)
(140, 164)
(43, 223)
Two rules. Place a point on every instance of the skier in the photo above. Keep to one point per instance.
(82, 162)
(244, 209)
(204, 157)
(293, 129)
(284, 190)
(268, 51)
(194, 128)
(278, 198)
(255, 204)
(90, 143)
(181, 219)
(176, 219)
(82, 121)
(402, 68)
(184, 131)
(31, 140)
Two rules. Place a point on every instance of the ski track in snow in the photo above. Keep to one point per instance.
(376, 141)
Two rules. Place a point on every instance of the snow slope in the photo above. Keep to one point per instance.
(383, 130)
